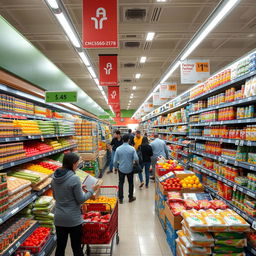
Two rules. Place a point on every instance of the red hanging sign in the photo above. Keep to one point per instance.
(113, 95)
(116, 108)
(108, 70)
(100, 24)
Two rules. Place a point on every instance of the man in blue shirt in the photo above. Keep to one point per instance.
(124, 158)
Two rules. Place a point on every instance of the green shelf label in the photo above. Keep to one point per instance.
(53, 97)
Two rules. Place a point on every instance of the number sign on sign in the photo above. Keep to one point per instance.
(61, 97)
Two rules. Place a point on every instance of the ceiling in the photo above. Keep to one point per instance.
(174, 23)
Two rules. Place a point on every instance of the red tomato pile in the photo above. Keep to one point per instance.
(96, 217)
(36, 239)
(172, 184)
(49, 165)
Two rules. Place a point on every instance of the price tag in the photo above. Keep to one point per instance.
(1, 221)
(11, 251)
(17, 139)
(236, 163)
(34, 197)
(241, 189)
(15, 210)
(54, 238)
(221, 122)
(241, 142)
(250, 98)
(7, 139)
(33, 158)
(18, 244)
(254, 225)
(42, 254)
(229, 141)
(11, 164)
(237, 142)
(252, 168)
(239, 121)
(235, 187)
(225, 161)
(249, 193)
(220, 158)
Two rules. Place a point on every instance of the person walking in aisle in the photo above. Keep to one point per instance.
(131, 140)
(159, 149)
(147, 153)
(137, 140)
(115, 143)
(125, 156)
(69, 195)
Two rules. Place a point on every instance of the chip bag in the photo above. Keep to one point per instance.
(204, 204)
(191, 204)
(218, 204)
(174, 197)
(177, 208)
(194, 220)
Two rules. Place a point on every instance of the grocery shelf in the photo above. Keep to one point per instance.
(32, 158)
(168, 125)
(248, 218)
(176, 143)
(48, 247)
(182, 153)
(235, 186)
(245, 165)
(11, 249)
(235, 121)
(249, 100)
(221, 140)
(179, 133)
(218, 89)
(34, 137)
(22, 204)
(251, 250)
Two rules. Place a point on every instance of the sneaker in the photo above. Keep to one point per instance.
(141, 184)
(152, 177)
(132, 199)
(109, 172)
(121, 201)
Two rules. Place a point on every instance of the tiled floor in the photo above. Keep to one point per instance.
(140, 231)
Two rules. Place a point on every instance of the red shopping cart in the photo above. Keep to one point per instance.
(99, 233)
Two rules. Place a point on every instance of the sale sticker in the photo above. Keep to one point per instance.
(202, 67)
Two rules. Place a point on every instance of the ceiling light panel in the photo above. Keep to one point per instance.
(150, 36)
(137, 76)
(134, 88)
(53, 4)
(143, 59)
(84, 58)
(92, 72)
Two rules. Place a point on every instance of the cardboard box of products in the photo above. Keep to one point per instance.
(89, 156)
(174, 220)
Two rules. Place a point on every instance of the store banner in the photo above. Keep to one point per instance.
(148, 107)
(108, 70)
(168, 91)
(156, 99)
(113, 95)
(194, 71)
(100, 24)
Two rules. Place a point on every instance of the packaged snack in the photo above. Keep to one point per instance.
(194, 220)
(234, 222)
(218, 204)
(228, 235)
(190, 204)
(215, 221)
(184, 250)
(177, 208)
(229, 254)
(204, 204)
(174, 197)
(241, 243)
(43, 201)
(225, 249)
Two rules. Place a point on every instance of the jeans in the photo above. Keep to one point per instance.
(147, 166)
(75, 237)
(111, 165)
(121, 184)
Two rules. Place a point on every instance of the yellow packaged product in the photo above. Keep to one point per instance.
(234, 222)
(194, 220)
(214, 220)
(184, 250)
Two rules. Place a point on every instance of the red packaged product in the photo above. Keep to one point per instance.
(204, 204)
(191, 204)
(174, 197)
(177, 208)
(218, 204)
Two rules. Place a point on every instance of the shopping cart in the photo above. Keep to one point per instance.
(98, 238)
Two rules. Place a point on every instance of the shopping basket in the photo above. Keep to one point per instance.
(98, 233)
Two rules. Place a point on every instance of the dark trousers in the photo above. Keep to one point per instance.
(75, 237)
(121, 184)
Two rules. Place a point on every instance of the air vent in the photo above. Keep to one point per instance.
(127, 80)
(135, 14)
(129, 65)
(156, 14)
(132, 44)
(131, 36)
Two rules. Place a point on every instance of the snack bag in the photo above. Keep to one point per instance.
(240, 243)
(191, 204)
(228, 235)
(218, 204)
(229, 254)
(174, 197)
(194, 220)
(204, 204)
(215, 221)
(184, 250)
(177, 208)
(234, 222)
(225, 249)
(198, 239)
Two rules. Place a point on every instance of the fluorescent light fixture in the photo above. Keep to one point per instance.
(169, 73)
(143, 59)
(216, 20)
(150, 36)
(134, 88)
(96, 80)
(93, 74)
(68, 29)
(161, 1)
(53, 4)
(137, 76)
(84, 59)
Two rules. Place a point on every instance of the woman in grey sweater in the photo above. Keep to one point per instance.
(69, 196)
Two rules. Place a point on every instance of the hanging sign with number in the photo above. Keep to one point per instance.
(194, 71)
(60, 97)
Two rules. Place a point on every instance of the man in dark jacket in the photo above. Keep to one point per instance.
(131, 137)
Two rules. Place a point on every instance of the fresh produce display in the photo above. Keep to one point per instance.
(35, 242)
(172, 184)
(191, 182)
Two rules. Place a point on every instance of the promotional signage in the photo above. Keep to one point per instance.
(113, 95)
(148, 107)
(168, 91)
(61, 97)
(157, 101)
(108, 70)
(100, 24)
(116, 108)
(194, 71)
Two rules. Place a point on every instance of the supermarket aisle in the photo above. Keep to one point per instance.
(141, 233)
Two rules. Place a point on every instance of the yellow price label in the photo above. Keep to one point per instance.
(202, 67)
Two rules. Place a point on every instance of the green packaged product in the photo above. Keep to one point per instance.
(229, 254)
(240, 243)
(43, 201)
(225, 249)
(228, 235)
